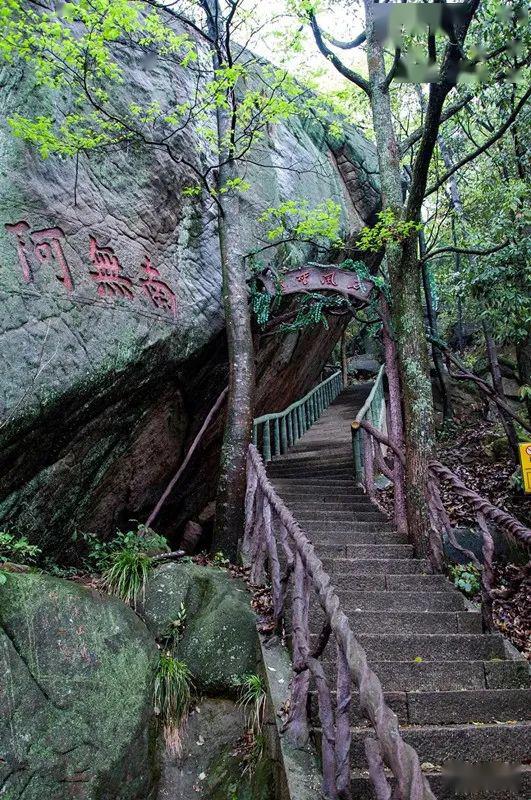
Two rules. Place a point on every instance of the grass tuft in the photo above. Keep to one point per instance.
(252, 699)
(172, 696)
(127, 574)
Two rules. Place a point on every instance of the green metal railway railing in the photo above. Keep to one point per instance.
(373, 410)
(274, 434)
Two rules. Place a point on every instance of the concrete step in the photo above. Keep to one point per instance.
(451, 675)
(407, 622)
(329, 488)
(340, 526)
(347, 551)
(444, 708)
(345, 537)
(366, 514)
(432, 647)
(401, 601)
(392, 582)
(438, 744)
(364, 566)
(474, 782)
(298, 502)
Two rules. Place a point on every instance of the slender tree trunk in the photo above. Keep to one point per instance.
(442, 374)
(238, 424)
(344, 359)
(497, 382)
(523, 357)
(407, 310)
(490, 344)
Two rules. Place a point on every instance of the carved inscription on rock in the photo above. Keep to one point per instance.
(44, 247)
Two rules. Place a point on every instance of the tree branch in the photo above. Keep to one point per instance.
(331, 56)
(465, 251)
(485, 146)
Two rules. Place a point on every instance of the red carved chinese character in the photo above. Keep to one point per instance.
(355, 285)
(46, 249)
(158, 292)
(20, 229)
(108, 272)
(329, 279)
(304, 278)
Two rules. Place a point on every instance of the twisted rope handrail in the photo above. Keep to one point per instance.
(484, 510)
(260, 544)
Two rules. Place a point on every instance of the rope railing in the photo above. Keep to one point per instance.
(485, 512)
(274, 434)
(273, 539)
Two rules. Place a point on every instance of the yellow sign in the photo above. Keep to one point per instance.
(525, 460)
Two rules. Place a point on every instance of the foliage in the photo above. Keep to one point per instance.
(388, 229)
(220, 560)
(101, 554)
(16, 549)
(171, 698)
(295, 219)
(252, 699)
(125, 561)
(466, 577)
(127, 574)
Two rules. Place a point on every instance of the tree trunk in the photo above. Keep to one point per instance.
(238, 424)
(523, 357)
(344, 359)
(497, 382)
(442, 374)
(407, 310)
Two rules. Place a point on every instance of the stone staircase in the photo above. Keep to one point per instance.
(461, 695)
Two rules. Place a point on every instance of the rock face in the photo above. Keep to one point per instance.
(210, 766)
(76, 695)
(219, 643)
(103, 384)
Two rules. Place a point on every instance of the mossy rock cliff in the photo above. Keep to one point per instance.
(76, 694)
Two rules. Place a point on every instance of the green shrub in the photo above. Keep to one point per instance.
(16, 549)
(171, 698)
(467, 578)
(101, 555)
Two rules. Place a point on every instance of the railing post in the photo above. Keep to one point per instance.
(283, 435)
(313, 405)
(289, 421)
(356, 450)
(296, 433)
(255, 434)
(266, 442)
(276, 437)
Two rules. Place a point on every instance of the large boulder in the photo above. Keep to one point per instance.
(102, 388)
(220, 643)
(76, 694)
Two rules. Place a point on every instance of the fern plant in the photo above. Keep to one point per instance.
(171, 699)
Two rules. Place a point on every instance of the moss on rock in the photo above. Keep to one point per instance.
(76, 701)
(220, 641)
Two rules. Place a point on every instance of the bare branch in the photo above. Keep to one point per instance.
(348, 73)
(465, 251)
(485, 146)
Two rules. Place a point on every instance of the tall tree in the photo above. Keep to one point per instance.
(74, 52)
(405, 187)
